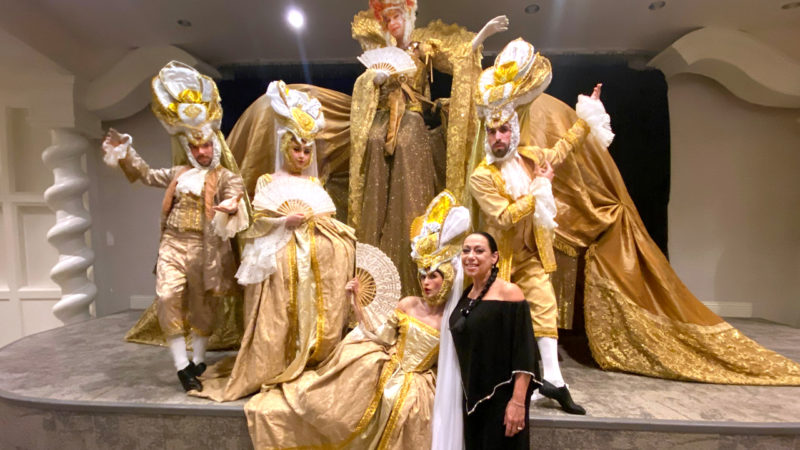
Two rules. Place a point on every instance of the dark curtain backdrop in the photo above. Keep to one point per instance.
(635, 99)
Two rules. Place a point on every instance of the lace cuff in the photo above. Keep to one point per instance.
(594, 114)
(227, 225)
(114, 153)
(544, 214)
(259, 256)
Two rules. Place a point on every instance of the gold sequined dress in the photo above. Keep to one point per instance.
(398, 164)
(371, 393)
(297, 315)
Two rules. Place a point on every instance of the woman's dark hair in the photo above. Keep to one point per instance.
(492, 242)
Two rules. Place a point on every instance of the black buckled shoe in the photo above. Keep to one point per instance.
(561, 395)
(189, 380)
(197, 369)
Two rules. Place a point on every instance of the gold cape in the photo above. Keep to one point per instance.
(369, 394)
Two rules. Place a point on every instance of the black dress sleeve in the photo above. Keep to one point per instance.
(525, 353)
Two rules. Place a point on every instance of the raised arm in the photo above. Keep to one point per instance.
(118, 149)
(494, 26)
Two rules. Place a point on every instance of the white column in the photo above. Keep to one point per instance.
(65, 198)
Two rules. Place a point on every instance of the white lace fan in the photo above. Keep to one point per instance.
(289, 195)
(379, 282)
(389, 59)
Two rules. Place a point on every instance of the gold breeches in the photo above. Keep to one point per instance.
(529, 275)
(180, 291)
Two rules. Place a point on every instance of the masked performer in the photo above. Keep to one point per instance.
(516, 204)
(202, 209)
(376, 390)
(394, 155)
(295, 264)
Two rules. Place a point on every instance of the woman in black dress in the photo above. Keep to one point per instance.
(493, 336)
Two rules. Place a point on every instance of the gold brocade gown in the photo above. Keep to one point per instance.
(297, 315)
(401, 170)
(371, 393)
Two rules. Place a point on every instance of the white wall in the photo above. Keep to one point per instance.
(27, 293)
(125, 229)
(734, 221)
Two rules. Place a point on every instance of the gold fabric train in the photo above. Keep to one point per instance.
(639, 316)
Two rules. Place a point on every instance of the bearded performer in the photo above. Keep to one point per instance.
(512, 187)
(377, 388)
(295, 263)
(201, 211)
(396, 160)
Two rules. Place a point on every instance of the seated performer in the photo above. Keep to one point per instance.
(294, 266)
(377, 389)
(195, 262)
(516, 204)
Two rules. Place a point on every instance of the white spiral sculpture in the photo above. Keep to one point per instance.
(65, 198)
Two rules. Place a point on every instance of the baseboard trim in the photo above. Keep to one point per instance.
(141, 301)
(731, 309)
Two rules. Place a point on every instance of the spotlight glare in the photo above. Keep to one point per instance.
(296, 19)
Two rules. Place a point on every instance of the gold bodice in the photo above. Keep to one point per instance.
(186, 213)
(417, 347)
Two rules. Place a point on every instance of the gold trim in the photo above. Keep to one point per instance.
(564, 247)
(395, 414)
(291, 308)
(318, 289)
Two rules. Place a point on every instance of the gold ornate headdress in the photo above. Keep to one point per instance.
(297, 114)
(436, 238)
(186, 102)
(518, 76)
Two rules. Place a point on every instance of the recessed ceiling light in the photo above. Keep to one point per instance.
(656, 5)
(184, 23)
(296, 19)
(790, 5)
(533, 8)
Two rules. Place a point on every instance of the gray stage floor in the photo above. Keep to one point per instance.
(88, 365)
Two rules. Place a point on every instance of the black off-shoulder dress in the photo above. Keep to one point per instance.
(495, 343)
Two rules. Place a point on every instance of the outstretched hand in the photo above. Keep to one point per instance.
(114, 139)
(596, 91)
(229, 206)
(494, 26)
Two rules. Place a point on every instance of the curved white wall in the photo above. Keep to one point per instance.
(734, 221)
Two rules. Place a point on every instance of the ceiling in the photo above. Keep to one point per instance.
(87, 37)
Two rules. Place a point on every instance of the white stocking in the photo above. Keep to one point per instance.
(177, 346)
(548, 349)
(199, 344)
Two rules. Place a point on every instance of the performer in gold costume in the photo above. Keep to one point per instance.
(295, 264)
(195, 263)
(377, 389)
(512, 188)
(396, 161)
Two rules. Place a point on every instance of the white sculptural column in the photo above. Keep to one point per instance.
(68, 235)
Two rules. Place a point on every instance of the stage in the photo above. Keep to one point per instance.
(83, 387)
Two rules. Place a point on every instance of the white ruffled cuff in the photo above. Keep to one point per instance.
(259, 256)
(545, 211)
(594, 114)
(114, 153)
(227, 225)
